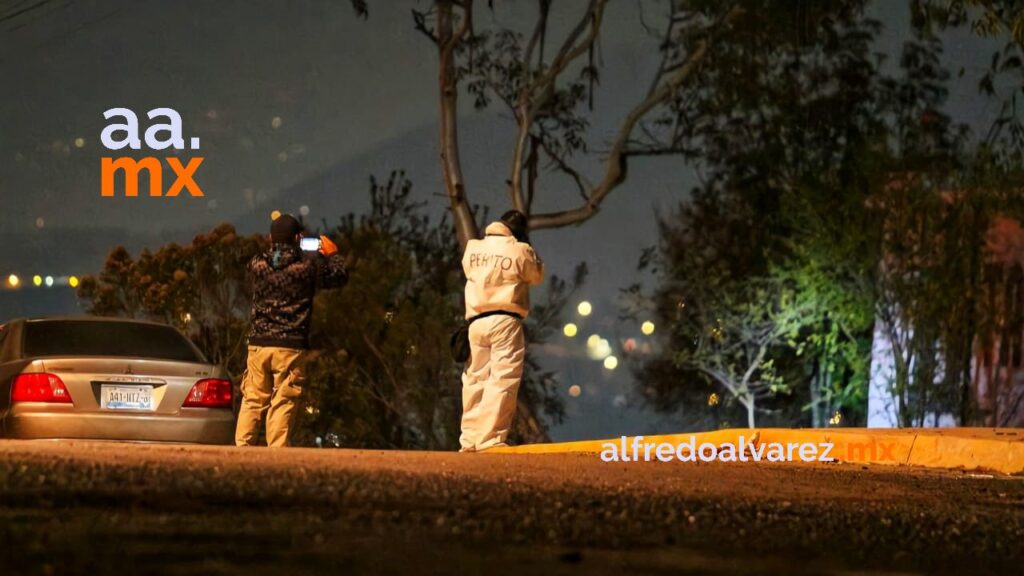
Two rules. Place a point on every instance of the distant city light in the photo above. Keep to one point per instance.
(13, 280)
(79, 142)
(275, 214)
(584, 308)
(598, 348)
(570, 330)
(37, 280)
(647, 328)
(49, 281)
(611, 363)
(73, 281)
(575, 390)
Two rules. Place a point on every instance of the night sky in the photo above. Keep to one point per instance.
(297, 104)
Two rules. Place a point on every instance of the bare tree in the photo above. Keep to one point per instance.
(549, 95)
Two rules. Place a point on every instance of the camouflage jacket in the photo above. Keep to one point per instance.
(284, 280)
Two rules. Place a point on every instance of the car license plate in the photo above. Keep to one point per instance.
(126, 397)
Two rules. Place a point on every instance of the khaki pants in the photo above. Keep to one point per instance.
(272, 384)
(490, 382)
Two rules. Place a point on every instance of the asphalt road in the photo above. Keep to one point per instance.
(110, 508)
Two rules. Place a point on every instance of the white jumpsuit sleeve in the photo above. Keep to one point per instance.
(533, 267)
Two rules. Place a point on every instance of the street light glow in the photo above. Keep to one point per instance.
(49, 281)
(598, 348)
(13, 280)
(73, 281)
(37, 280)
(647, 328)
(570, 330)
(584, 308)
(611, 363)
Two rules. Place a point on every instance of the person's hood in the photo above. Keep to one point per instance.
(497, 229)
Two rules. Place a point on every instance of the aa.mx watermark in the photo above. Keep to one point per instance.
(159, 136)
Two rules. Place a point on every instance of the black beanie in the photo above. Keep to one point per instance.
(284, 229)
(517, 223)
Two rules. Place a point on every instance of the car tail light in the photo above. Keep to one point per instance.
(210, 393)
(39, 387)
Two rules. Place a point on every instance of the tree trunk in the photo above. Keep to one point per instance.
(750, 404)
(967, 409)
(451, 165)
(817, 421)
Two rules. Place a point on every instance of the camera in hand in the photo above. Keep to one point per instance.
(310, 244)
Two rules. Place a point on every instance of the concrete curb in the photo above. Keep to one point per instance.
(994, 449)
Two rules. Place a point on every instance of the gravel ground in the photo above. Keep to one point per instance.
(111, 508)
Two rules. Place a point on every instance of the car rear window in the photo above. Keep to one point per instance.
(97, 338)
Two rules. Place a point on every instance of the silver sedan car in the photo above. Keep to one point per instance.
(110, 379)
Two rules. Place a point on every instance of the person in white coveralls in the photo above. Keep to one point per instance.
(500, 268)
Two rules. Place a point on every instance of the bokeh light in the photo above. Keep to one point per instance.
(570, 330)
(598, 348)
(647, 328)
(37, 280)
(73, 281)
(275, 122)
(611, 363)
(13, 281)
(49, 281)
(275, 215)
(584, 308)
(79, 142)
(575, 390)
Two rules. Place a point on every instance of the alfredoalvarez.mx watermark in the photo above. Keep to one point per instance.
(744, 450)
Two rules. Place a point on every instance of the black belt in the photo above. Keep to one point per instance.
(494, 313)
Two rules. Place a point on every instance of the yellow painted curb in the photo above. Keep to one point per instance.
(995, 449)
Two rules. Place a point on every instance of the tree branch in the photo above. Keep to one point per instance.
(616, 163)
(419, 20)
(529, 103)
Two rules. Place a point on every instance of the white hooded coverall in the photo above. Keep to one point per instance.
(499, 272)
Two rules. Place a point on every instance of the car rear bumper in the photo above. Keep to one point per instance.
(192, 425)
